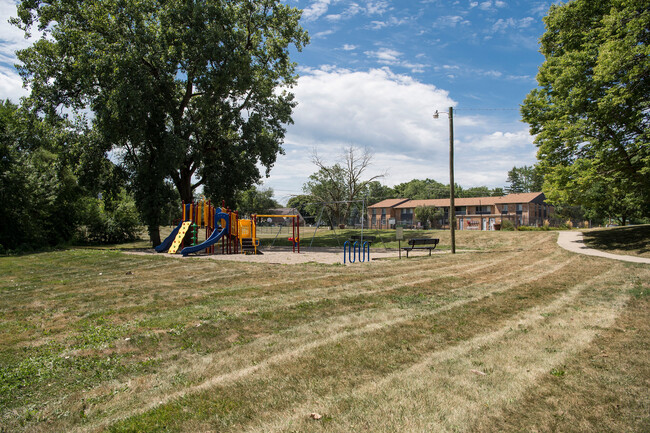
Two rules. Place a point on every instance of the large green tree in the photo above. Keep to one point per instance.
(590, 113)
(192, 92)
(525, 179)
(418, 189)
(256, 201)
(339, 186)
(39, 190)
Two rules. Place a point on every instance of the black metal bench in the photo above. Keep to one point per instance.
(421, 244)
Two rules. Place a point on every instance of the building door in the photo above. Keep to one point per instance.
(460, 223)
(484, 227)
(491, 223)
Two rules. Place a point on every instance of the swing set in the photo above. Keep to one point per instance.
(357, 246)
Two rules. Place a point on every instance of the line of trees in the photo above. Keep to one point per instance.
(51, 184)
(590, 111)
(188, 94)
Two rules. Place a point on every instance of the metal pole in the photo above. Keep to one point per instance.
(452, 207)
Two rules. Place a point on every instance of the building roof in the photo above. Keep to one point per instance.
(528, 197)
(391, 202)
(523, 197)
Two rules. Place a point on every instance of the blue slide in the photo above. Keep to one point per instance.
(214, 237)
(164, 246)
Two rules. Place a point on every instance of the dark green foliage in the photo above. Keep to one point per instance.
(51, 172)
(507, 225)
(589, 114)
(426, 189)
(39, 193)
(116, 223)
(429, 215)
(417, 189)
(525, 179)
(304, 204)
(190, 92)
(254, 200)
(378, 192)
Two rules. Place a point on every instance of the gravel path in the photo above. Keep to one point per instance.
(572, 241)
(284, 255)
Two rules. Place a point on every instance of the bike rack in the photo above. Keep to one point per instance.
(356, 251)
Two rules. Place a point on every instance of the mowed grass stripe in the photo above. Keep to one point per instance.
(455, 388)
(154, 351)
(430, 389)
(356, 358)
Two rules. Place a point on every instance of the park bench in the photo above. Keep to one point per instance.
(421, 244)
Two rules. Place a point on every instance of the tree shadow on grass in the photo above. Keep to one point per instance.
(632, 239)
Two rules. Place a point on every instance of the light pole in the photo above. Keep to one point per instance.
(452, 203)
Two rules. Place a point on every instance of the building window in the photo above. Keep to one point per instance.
(461, 210)
(483, 210)
(520, 208)
(504, 209)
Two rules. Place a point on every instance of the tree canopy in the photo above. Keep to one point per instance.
(193, 93)
(590, 113)
(525, 179)
(336, 186)
(256, 201)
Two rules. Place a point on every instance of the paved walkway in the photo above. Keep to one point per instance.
(572, 241)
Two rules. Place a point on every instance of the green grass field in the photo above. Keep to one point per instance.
(512, 335)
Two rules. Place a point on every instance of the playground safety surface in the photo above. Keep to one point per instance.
(284, 255)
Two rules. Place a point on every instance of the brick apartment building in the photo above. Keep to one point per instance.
(475, 213)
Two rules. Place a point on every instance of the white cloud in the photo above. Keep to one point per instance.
(500, 140)
(11, 85)
(11, 39)
(391, 114)
(350, 47)
(387, 56)
(350, 12)
(503, 24)
(490, 5)
(377, 7)
(451, 21)
(323, 34)
(315, 10)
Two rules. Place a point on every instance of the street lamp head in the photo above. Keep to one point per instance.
(436, 115)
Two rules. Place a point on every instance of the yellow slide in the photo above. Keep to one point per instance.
(179, 237)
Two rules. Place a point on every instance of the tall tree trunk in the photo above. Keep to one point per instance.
(154, 235)
(184, 186)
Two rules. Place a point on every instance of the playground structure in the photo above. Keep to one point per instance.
(295, 225)
(220, 224)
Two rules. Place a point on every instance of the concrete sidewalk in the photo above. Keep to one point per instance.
(572, 241)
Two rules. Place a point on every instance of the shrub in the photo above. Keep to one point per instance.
(507, 225)
(113, 224)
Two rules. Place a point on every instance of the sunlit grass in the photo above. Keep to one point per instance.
(96, 339)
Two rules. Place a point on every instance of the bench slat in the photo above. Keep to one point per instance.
(421, 241)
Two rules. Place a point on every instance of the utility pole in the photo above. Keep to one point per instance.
(452, 207)
(452, 203)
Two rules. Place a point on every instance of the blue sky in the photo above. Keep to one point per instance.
(375, 72)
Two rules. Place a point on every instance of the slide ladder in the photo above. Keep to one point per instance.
(179, 237)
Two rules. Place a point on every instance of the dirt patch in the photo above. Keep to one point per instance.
(286, 256)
